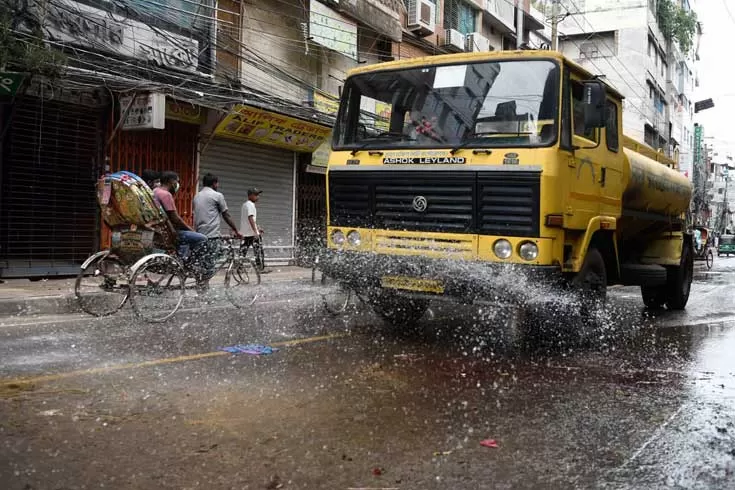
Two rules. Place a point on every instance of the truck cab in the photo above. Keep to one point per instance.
(452, 175)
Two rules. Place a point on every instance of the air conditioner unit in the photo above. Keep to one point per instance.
(454, 40)
(421, 15)
(478, 42)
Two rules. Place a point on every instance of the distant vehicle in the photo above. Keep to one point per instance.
(727, 245)
(703, 246)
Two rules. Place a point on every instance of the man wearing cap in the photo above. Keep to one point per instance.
(249, 226)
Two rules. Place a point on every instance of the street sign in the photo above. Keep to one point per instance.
(10, 82)
(697, 144)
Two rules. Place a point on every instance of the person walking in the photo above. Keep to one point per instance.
(250, 230)
(209, 205)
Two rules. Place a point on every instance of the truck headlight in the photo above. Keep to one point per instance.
(353, 238)
(503, 249)
(528, 251)
(338, 238)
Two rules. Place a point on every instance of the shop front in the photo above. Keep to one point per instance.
(253, 147)
(172, 147)
(50, 157)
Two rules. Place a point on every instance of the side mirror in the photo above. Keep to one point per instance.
(595, 113)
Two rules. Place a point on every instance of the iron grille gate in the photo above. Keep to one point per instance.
(48, 208)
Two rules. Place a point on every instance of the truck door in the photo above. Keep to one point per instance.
(584, 165)
(612, 166)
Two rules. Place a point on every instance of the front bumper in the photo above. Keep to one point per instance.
(467, 281)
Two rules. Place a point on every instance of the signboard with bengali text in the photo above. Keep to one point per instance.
(269, 128)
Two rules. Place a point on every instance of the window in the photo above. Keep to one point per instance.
(578, 106)
(611, 126)
(589, 50)
(459, 15)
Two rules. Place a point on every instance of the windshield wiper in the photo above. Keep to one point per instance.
(473, 137)
(387, 136)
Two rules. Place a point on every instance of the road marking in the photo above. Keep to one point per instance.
(9, 383)
(656, 434)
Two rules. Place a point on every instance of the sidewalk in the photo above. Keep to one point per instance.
(56, 296)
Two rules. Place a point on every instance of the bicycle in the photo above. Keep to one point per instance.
(160, 277)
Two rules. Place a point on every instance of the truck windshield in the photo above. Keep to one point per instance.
(484, 105)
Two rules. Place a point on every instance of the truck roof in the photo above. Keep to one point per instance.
(442, 59)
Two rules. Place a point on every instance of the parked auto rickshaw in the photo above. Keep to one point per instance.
(726, 245)
(703, 241)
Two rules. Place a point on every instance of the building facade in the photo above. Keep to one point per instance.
(247, 90)
(623, 41)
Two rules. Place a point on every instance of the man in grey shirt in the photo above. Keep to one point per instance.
(208, 206)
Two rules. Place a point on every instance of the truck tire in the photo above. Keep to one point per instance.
(679, 281)
(591, 281)
(399, 311)
(653, 297)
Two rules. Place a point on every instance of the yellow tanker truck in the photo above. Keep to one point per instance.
(448, 173)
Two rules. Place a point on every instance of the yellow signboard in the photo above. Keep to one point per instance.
(268, 128)
(183, 111)
(383, 111)
(325, 104)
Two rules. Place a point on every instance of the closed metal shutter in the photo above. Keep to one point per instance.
(241, 166)
(48, 205)
(173, 148)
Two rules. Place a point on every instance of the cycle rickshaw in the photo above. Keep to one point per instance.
(703, 242)
(145, 266)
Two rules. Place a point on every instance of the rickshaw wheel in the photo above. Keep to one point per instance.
(157, 287)
(710, 259)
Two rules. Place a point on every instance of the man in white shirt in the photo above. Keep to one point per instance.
(250, 230)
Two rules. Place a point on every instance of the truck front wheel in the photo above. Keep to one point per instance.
(679, 281)
(591, 281)
(654, 297)
(399, 311)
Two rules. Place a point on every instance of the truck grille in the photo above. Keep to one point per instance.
(484, 202)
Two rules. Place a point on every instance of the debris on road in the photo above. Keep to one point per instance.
(377, 471)
(442, 453)
(206, 449)
(489, 443)
(254, 349)
(274, 483)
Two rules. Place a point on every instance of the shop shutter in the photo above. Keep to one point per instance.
(48, 206)
(241, 166)
(173, 148)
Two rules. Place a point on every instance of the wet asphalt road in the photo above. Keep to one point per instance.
(647, 402)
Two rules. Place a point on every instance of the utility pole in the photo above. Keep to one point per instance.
(519, 24)
(555, 25)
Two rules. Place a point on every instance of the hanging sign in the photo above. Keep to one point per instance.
(184, 112)
(148, 112)
(268, 128)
